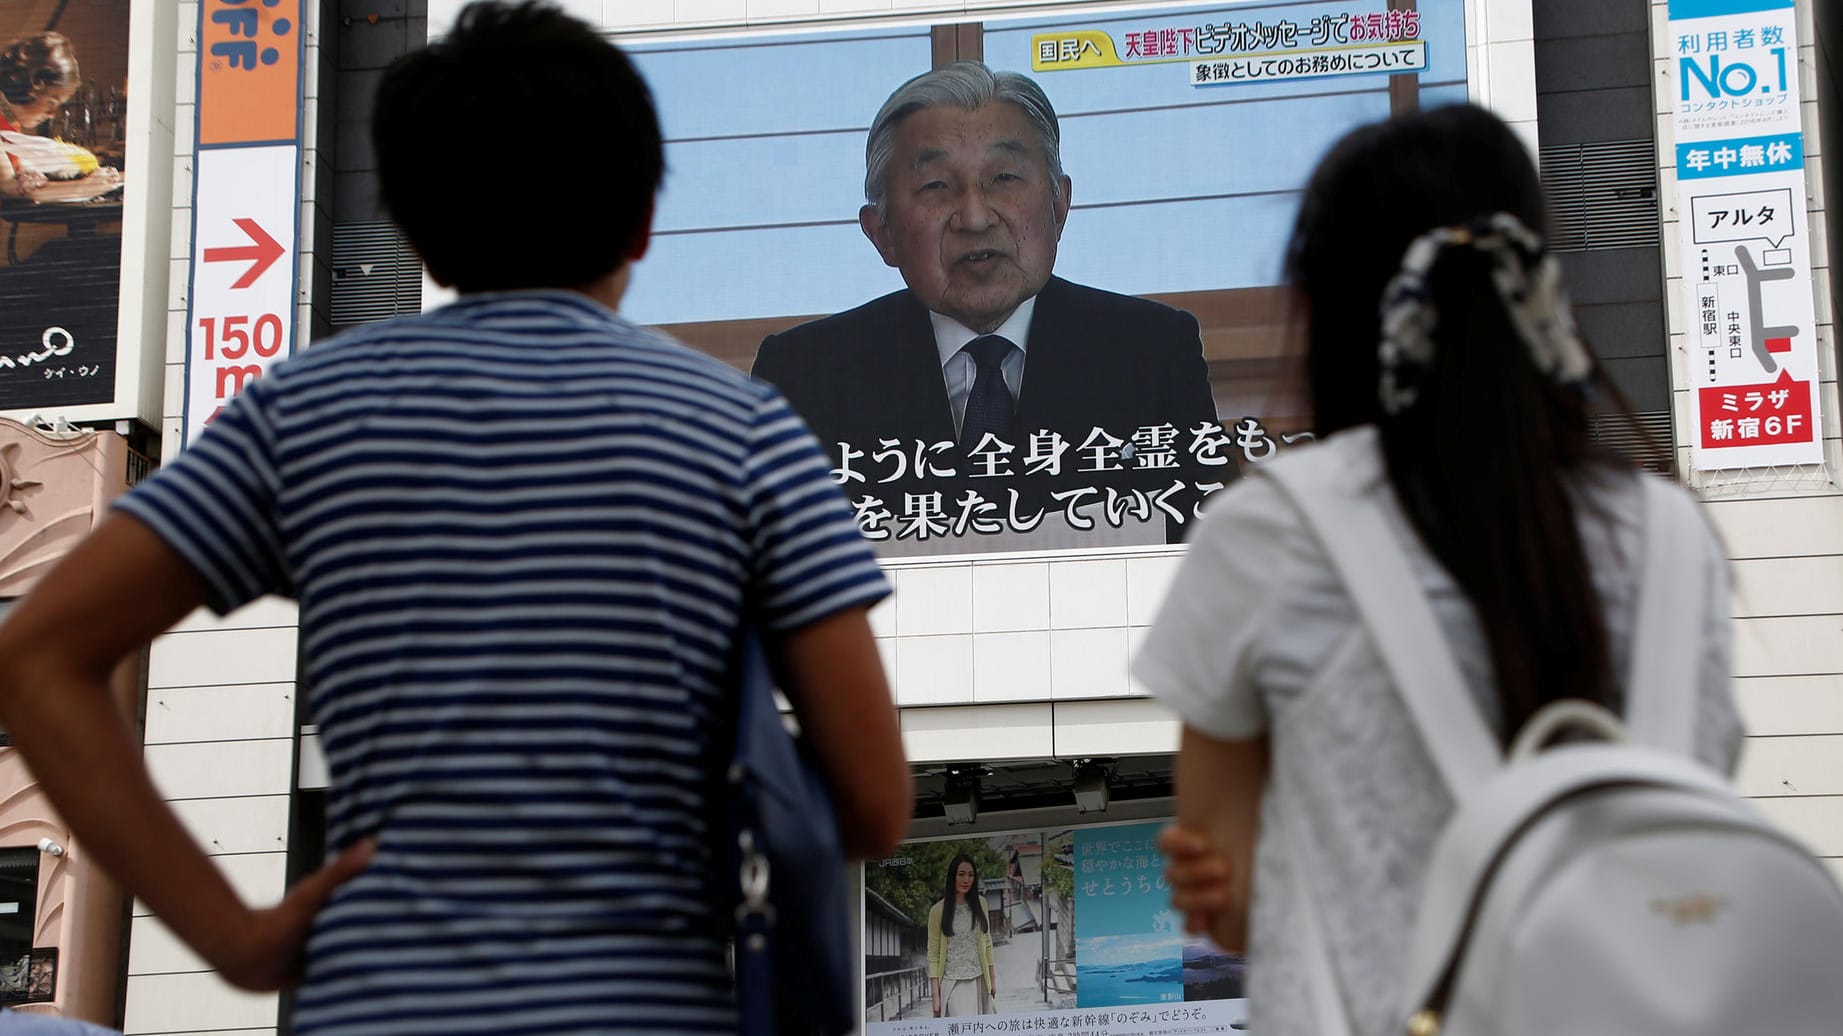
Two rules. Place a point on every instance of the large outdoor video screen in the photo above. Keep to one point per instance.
(1148, 361)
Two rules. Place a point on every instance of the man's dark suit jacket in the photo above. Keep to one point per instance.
(1094, 359)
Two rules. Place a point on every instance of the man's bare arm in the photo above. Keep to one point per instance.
(108, 599)
(831, 672)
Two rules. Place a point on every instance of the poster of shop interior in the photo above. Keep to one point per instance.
(1752, 342)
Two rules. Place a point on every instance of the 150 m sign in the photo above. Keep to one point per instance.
(242, 300)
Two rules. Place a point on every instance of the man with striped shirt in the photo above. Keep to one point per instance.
(524, 534)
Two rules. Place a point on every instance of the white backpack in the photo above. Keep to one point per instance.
(1607, 888)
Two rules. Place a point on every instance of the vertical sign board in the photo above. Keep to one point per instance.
(1752, 341)
(245, 200)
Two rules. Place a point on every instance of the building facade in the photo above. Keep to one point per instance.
(1010, 664)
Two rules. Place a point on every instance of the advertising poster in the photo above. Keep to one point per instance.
(1129, 309)
(246, 199)
(63, 134)
(1745, 236)
(1078, 936)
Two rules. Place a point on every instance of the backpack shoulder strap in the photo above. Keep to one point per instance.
(1369, 559)
(1661, 691)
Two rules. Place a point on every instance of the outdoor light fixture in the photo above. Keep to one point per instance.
(961, 799)
(1090, 788)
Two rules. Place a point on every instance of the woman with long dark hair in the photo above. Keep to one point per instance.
(1447, 375)
(961, 978)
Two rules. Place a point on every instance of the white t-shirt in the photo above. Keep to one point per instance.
(1256, 616)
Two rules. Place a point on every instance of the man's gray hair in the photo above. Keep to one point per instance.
(963, 84)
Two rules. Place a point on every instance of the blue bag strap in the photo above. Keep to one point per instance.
(754, 948)
(754, 975)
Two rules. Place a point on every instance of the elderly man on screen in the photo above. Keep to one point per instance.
(967, 198)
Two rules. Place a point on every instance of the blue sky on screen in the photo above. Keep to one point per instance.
(1176, 187)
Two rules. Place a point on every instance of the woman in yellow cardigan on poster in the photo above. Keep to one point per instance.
(960, 946)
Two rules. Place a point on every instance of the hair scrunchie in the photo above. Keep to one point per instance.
(1528, 281)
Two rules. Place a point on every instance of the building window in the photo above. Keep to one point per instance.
(6, 605)
(27, 975)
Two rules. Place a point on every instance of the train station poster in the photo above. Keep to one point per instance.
(1072, 929)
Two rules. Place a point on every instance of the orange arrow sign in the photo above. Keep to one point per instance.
(263, 251)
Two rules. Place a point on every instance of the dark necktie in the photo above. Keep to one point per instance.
(989, 406)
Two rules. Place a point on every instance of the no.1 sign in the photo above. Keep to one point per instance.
(242, 318)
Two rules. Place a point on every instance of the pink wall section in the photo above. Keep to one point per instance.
(53, 489)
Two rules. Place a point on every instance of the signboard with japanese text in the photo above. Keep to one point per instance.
(1142, 333)
(1745, 237)
(246, 199)
(62, 149)
(1232, 51)
(1068, 930)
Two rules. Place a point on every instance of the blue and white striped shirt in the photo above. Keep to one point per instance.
(523, 534)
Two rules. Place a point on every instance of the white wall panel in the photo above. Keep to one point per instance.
(617, 15)
(934, 600)
(222, 657)
(229, 712)
(1088, 663)
(249, 824)
(1011, 666)
(1011, 598)
(1788, 646)
(760, 10)
(934, 670)
(155, 950)
(194, 1002)
(710, 11)
(1508, 19)
(1147, 581)
(201, 770)
(1107, 728)
(1087, 594)
(1789, 586)
(259, 878)
(1795, 765)
(977, 733)
(1512, 71)
(883, 617)
(886, 651)
(1779, 528)
(1791, 704)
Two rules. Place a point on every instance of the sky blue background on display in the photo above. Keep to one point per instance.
(1176, 188)
(1128, 946)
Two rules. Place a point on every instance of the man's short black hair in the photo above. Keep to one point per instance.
(519, 151)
